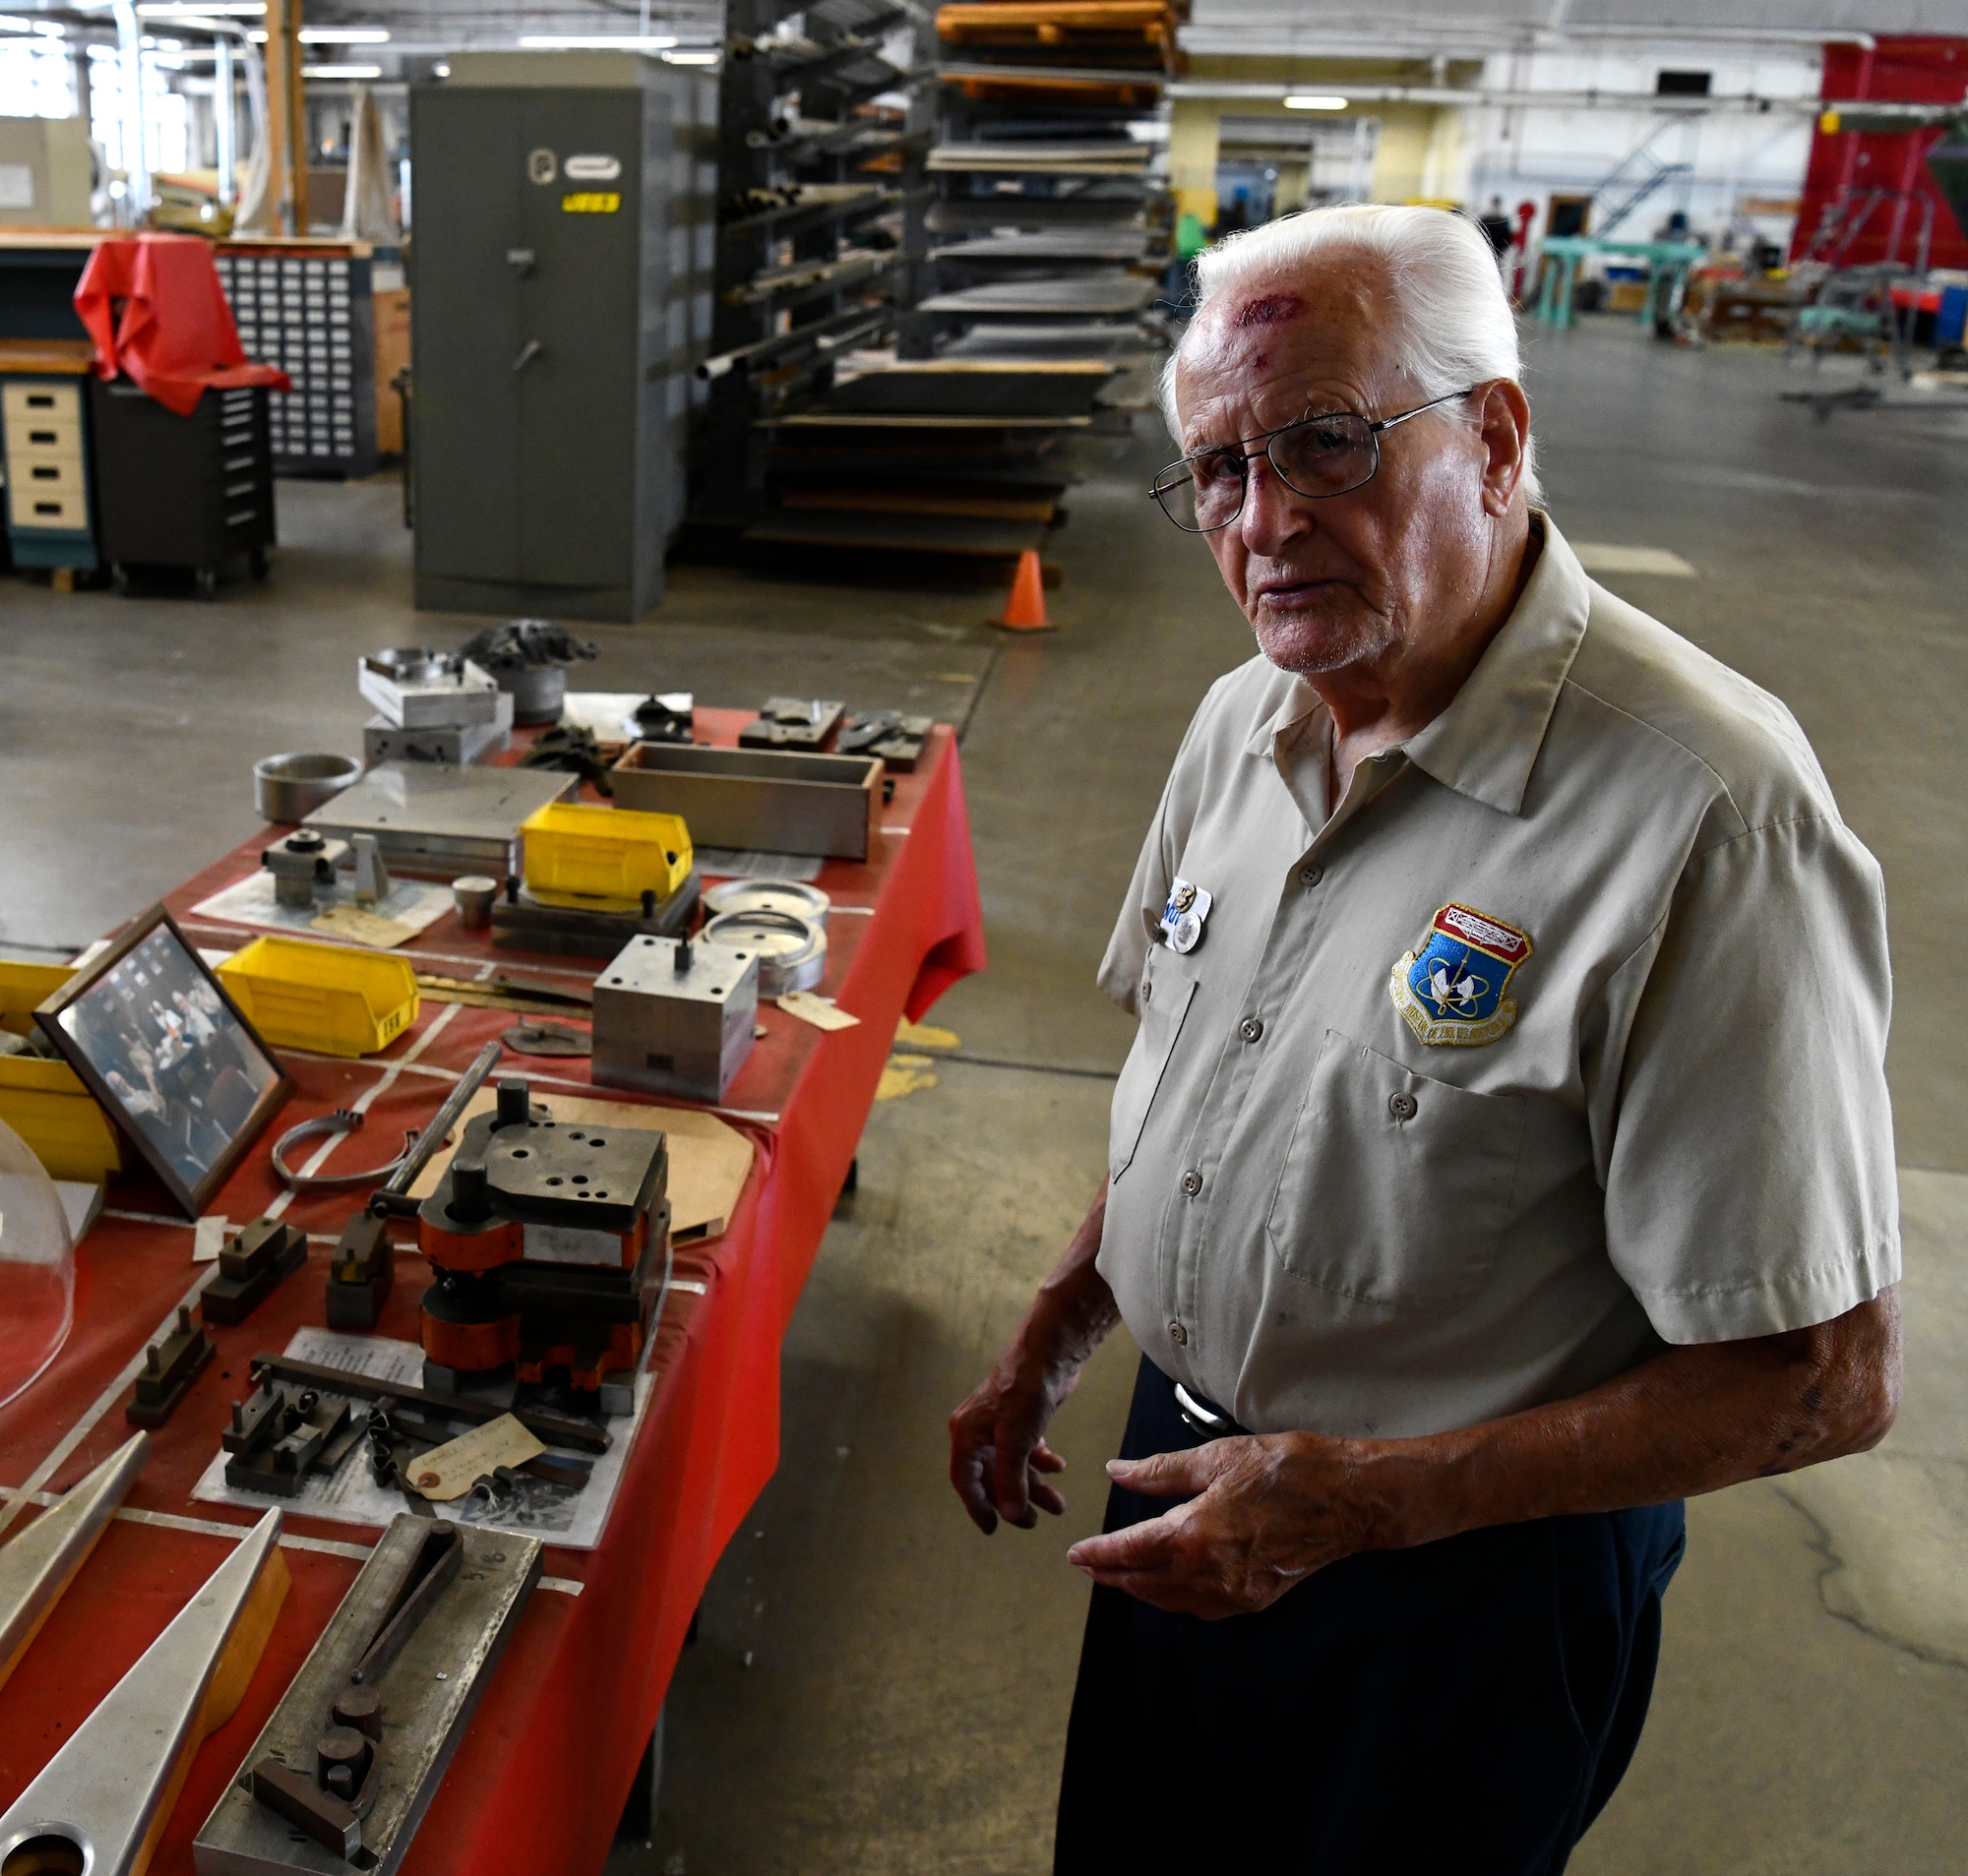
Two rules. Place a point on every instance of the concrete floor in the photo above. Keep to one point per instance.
(875, 1689)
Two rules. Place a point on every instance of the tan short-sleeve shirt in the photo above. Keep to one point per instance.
(1560, 1037)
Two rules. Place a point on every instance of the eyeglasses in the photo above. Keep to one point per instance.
(1333, 454)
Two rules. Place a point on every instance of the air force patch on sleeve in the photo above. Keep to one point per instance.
(1451, 990)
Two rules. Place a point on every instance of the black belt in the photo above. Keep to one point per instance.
(1205, 1416)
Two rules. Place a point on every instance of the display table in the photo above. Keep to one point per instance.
(1668, 263)
(542, 1775)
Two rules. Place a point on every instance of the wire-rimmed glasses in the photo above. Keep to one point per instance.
(1330, 453)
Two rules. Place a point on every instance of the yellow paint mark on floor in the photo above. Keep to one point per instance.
(904, 1074)
(910, 1034)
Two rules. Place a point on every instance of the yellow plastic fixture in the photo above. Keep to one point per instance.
(47, 1103)
(326, 997)
(603, 859)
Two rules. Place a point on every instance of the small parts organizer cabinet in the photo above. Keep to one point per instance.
(43, 429)
(194, 491)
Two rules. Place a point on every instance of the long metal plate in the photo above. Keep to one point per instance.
(423, 1716)
(108, 1791)
(41, 1562)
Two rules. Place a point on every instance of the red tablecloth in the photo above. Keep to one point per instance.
(541, 1776)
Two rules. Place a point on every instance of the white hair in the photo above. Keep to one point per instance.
(1452, 321)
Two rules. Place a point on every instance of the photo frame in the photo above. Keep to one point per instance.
(149, 1029)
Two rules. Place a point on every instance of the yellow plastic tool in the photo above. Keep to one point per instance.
(603, 859)
(326, 997)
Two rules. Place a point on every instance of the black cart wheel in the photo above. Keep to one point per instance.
(119, 577)
(208, 583)
(259, 562)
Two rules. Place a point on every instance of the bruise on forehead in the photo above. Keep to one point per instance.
(1269, 309)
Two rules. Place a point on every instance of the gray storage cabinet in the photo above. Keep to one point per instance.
(553, 327)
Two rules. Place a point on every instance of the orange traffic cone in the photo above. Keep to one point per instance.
(1025, 611)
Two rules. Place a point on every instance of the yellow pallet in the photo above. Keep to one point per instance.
(603, 859)
(324, 997)
(47, 1103)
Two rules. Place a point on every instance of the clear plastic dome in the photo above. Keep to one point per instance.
(36, 1267)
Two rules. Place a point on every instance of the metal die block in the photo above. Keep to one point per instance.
(446, 691)
(452, 743)
(768, 800)
(438, 819)
(427, 1694)
(675, 1017)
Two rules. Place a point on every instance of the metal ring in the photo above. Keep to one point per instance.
(341, 1120)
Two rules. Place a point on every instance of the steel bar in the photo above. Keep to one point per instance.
(41, 1562)
(442, 1121)
(555, 1428)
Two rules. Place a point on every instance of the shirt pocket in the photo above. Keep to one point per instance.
(1396, 1187)
(1167, 991)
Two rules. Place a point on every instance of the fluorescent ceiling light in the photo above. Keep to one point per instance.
(598, 41)
(1315, 102)
(343, 36)
(689, 58)
(441, 70)
(222, 9)
(342, 71)
(9, 23)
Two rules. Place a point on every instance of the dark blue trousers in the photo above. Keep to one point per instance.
(1464, 1707)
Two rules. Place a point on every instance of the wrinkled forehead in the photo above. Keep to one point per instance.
(1259, 348)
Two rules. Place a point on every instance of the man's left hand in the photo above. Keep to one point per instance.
(1264, 1511)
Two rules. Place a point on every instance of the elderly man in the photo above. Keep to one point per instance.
(1505, 1153)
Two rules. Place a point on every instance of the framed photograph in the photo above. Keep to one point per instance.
(153, 1033)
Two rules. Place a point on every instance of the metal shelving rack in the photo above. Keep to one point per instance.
(821, 234)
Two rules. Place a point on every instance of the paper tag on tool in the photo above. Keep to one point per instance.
(817, 1011)
(450, 1471)
(207, 1238)
(362, 927)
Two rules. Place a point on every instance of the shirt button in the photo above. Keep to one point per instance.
(1401, 1106)
(1191, 1182)
(1178, 1334)
(1312, 874)
(1250, 1029)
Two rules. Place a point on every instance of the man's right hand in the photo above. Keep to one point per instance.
(999, 1459)
(998, 1455)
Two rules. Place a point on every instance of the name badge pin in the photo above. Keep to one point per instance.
(1183, 916)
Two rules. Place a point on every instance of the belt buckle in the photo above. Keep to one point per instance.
(1197, 1417)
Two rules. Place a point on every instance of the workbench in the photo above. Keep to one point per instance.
(542, 1775)
(1668, 265)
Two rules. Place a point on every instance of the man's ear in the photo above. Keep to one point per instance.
(1505, 425)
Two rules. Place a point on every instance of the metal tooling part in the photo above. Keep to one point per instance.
(791, 950)
(431, 690)
(431, 817)
(540, 1038)
(392, 1201)
(426, 1693)
(769, 895)
(359, 1272)
(37, 1565)
(170, 1367)
(547, 1243)
(249, 1268)
(754, 800)
(456, 743)
(301, 864)
(278, 1436)
(675, 1017)
(794, 723)
(520, 921)
(461, 1410)
(897, 739)
(102, 1798)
